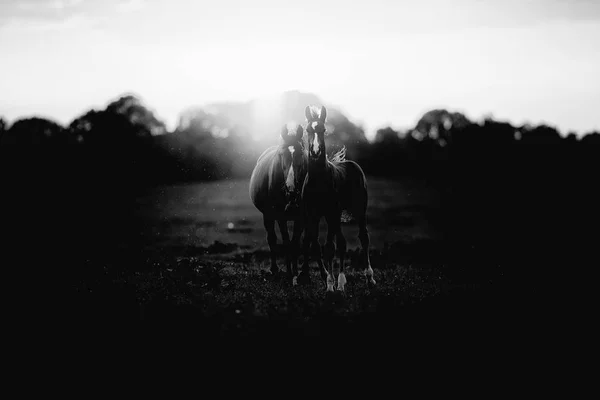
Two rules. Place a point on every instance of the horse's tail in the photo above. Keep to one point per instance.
(357, 194)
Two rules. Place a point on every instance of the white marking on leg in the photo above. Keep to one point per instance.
(294, 281)
(330, 282)
(341, 281)
(336, 272)
(369, 275)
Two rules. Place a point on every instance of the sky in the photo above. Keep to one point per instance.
(381, 62)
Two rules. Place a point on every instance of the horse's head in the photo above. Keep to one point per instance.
(316, 131)
(292, 161)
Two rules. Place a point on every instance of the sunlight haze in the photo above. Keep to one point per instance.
(380, 62)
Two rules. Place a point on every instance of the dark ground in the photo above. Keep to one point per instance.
(102, 270)
(83, 259)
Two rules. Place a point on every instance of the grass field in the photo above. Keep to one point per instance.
(198, 215)
(204, 263)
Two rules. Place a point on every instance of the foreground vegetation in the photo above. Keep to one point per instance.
(236, 295)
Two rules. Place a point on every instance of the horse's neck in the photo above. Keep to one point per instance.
(320, 172)
(318, 167)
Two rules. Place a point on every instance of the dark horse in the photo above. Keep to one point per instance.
(332, 188)
(275, 187)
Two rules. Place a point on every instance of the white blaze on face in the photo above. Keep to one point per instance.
(316, 145)
(289, 182)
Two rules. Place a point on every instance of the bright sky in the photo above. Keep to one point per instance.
(381, 62)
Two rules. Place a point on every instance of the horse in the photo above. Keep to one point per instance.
(275, 186)
(332, 188)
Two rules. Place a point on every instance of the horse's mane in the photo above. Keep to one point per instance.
(337, 169)
(339, 156)
(335, 163)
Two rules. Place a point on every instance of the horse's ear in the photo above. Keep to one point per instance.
(284, 132)
(323, 115)
(308, 114)
(299, 132)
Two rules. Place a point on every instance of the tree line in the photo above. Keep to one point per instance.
(127, 140)
(505, 188)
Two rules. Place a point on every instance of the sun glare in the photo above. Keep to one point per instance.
(267, 112)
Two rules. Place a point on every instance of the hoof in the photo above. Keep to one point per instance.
(371, 283)
(369, 277)
(341, 284)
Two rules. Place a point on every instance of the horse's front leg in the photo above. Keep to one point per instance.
(304, 276)
(295, 248)
(363, 236)
(285, 236)
(269, 224)
(332, 230)
(311, 236)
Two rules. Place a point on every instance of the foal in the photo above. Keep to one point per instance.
(275, 187)
(331, 187)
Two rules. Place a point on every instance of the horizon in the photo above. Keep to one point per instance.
(382, 65)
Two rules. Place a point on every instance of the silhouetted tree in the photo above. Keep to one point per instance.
(341, 131)
(4, 141)
(35, 132)
(438, 124)
(387, 136)
(591, 139)
(123, 119)
(139, 116)
(541, 135)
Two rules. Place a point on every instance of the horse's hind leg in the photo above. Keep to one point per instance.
(305, 274)
(318, 256)
(295, 249)
(272, 240)
(283, 229)
(329, 267)
(334, 228)
(341, 246)
(311, 242)
(363, 236)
